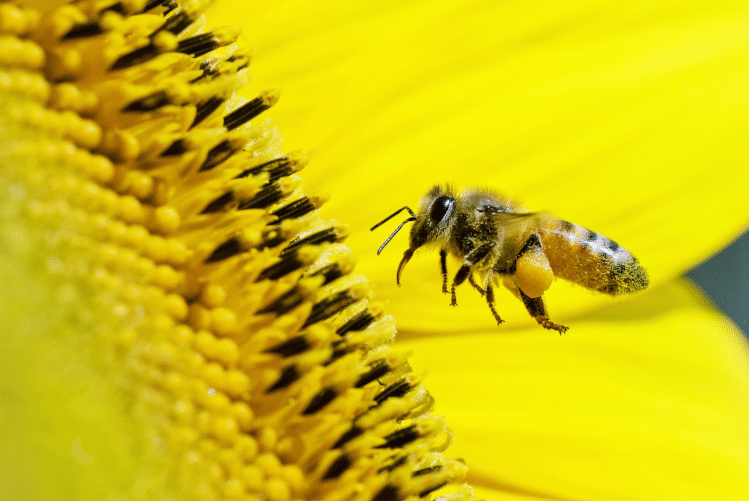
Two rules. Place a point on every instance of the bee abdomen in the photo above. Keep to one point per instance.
(629, 277)
(591, 259)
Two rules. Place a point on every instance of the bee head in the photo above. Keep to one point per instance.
(435, 210)
(432, 222)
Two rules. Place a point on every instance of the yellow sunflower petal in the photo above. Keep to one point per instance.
(626, 118)
(648, 400)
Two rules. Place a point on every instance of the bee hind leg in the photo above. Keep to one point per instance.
(536, 308)
(490, 302)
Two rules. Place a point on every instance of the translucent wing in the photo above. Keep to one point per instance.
(505, 217)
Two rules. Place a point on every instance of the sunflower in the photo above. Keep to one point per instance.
(183, 321)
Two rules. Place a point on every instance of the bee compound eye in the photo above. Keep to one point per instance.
(441, 208)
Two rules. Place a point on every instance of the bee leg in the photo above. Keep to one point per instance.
(464, 272)
(476, 286)
(471, 259)
(490, 301)
(443, 267)
(533, 274)
(460, 277)
(536, 308)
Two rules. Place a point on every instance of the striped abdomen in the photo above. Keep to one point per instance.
(590, 259)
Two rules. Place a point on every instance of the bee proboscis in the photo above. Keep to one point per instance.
(495, 242)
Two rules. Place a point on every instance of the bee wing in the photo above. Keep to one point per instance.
(500, 215)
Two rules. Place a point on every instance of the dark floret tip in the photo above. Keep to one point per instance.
(388, 493)
(290, 347)
(338, 467)
(400, 438)
(227, 249)
(288, 376)
(251, 109)
(351, 434)
(431, 489)
(320, 400)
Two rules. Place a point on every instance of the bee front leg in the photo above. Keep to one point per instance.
(536, 308)
(443, 267)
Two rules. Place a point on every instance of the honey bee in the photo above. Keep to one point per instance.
(495, 242)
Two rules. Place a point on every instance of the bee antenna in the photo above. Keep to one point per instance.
(410, 219)
(392, 216)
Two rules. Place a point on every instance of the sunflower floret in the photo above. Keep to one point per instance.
(174, 230)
